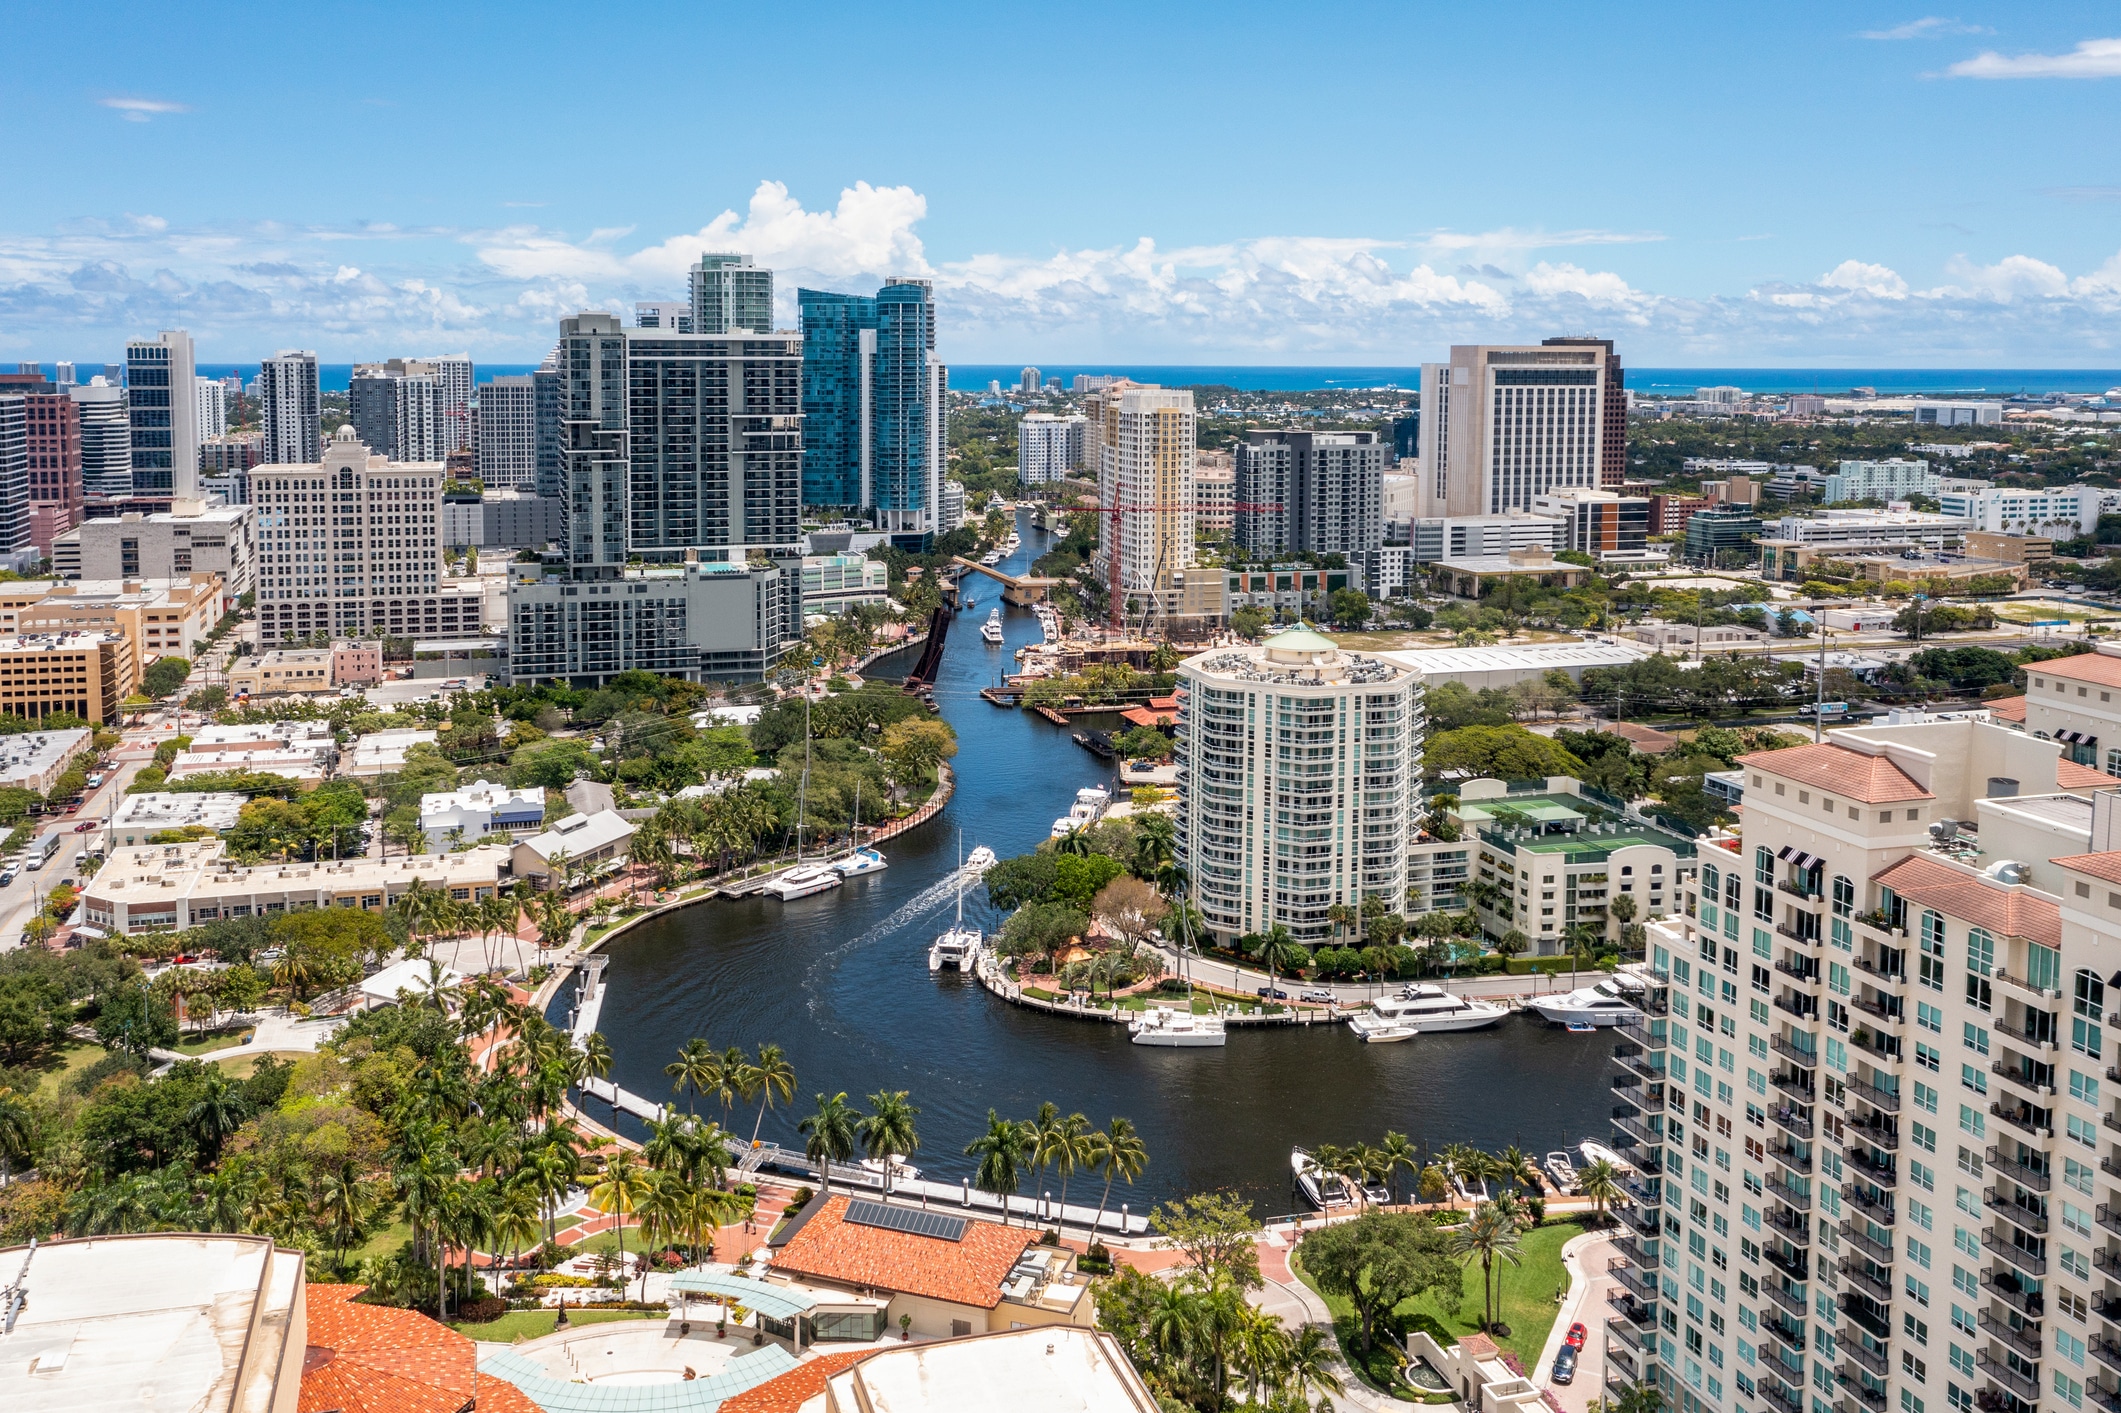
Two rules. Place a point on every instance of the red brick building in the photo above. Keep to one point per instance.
(54, 426)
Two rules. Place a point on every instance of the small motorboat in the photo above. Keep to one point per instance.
(1325, 1190)
(1577, 1027)
(980, 859)
(1177, 1030)
(991, 630)
(1561, 1170)
(1380, 1030)
(859, 862)
(802, 881)
(1596, 1152)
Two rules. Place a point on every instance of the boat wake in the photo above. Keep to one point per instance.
(930, 900)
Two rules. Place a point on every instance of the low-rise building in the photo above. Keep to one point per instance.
(1685, 637)
(176, 886)
(702, 622)
(1073, 1371)
(1895, 478)
(1293, 588)
(162, 618)
(88, 675)
(251, 757)
(2058, 512)
(1468, 578)
(153, 812)
(577, 848)
(282, 672)
(453, 817)
(383, 752)
(34, 760)
(1722, 534)
(1507, 666)
(501, 518)
(356, 664)
(1866, 527)
(834, 583)
(314, 737)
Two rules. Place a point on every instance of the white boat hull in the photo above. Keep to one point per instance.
(861, 862)
(1576, 1015)
(1378, 1030)
(788, 888)
(1168, 1029)
(1180, 1040)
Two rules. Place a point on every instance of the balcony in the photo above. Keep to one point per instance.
(1637, 1029)
(2005, 1376)
(2019, 1077)
(1789, 1157)
(1801, 939)
(1878, 1048)
(1877, 1135)
(1869, 1397)
(2025, 1120)
(1879, 1251)
(1795, 1267)
(2104, 1397)
(1803, 1008)
(1799, 890)
(1792, 1121)
(1620, 1358)
(1880, 1013)
(1789, 1300)
(1885, 925)
(1631, 1311)
(1878, 1326)
(1796, 1084)
(2034, 1179)
(2109, 1218)
(1624, 1272)
(1809, 1059)
(1875, 1205)
(1885, 1099)
(1804, 973)
(1626, 1122)
(2111, 1166)
(1638, 1253)
(1871, 1359)
(2044, 1045)
(1802, 1201)
(2025, 1341)
(1870, 1285)
(2102, 1349)
(2019, 983)
(2006, 1288)
(1884, 977)
(2019, 1215)
(1788, 1338)
(1878, 1174)
(2024, 1260)
(1643, 1221)
(1795, 1230)
(1777, 1394)
(1638, 1061)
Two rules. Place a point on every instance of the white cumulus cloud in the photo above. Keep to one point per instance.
(2091, 59)
(1861, 277)
(1928, 27)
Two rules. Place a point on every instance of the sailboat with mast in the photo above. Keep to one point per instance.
(858, 860)
(958, 947)
(804, 879)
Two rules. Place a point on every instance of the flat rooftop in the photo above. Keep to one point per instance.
(1055, 1369)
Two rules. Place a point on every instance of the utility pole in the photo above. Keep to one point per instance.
(1819, 707)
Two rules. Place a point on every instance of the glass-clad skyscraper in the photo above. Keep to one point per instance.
(873, 407)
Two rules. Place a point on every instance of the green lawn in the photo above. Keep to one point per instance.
(529, 1324)
(1528, 1304)
(607, 1241)
(201, 1042)
(384, 1242)
(240, 1066)
(69, 1058)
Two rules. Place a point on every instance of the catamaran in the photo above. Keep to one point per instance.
(958, 948)
(859, 861)
(804, 879)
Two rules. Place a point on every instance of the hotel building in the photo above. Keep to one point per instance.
(1502, 426)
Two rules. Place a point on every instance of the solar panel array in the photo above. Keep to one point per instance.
(907, 1219)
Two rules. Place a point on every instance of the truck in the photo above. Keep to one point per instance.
(41, 851)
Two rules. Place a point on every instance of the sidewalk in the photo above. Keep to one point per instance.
(1585, 1261)
(1296, 1305)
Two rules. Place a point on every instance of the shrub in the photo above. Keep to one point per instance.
(484, 1310)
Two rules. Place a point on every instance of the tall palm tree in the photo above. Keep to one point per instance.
(1155, 844)
(769, 1075)
(623, 1185)
(888, 1130)
(1278, 950)
(1117, 1151)
(1310, 1362)
(1489, 1236)
(216, 1114)
(550, 1167)
(1600, 1181)
(596, 1060)
(1001, 1152)
(1515, 1167)
(1262, 1351)
(698, 1067)
(1399, 1152)
(1062, 1144)
(829, 1134)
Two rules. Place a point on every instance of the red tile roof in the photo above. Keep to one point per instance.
(2007, 709)
(376, 1359)
(2071, 776)
(1648, 740)
(2102, 669)
(789, 1392)
(1873, 780)
(2102, 866)
(827, 1247)
(1955, 892)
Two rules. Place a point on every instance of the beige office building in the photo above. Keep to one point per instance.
(1501, 426)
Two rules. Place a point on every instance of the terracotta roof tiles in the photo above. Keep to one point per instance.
(2071, 776)
(378, 1359)
(2100, 866)
(827, 1247)
(2101, 669)
(1872, 780)
(1970, 897)
(2007, 709)
(789, 1392)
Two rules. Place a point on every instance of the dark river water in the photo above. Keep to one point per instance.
(840, 982)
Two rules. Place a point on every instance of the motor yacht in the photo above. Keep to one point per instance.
(1380, 1030)
(980, 859)
(1322, 1189)
(1067, 824)
(991, 630)
(1434, 1009)
(1561, 1170)
(859, 862)
(1180, 1030)
(1095, 796)
(1603, 1004)
(1596, 1152)
(958, 947)
(804, 880)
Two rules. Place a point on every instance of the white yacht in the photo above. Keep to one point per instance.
(859, 862)
(802, 881)
(991, 630)
(1380, 1030)
(1562, 1170)
(980, 859)
(958, 947)
(1095, 796)
(1603, 1004)
(1596, 1152)
(1067, 824)
(1160, 1025)
(1434, 1009)
(1320, 1189)
(991, 558)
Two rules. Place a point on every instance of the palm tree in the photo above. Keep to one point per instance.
(17, 1126)
(1001, 1152)
(550, 1168)
(1600, 1181)
(1155, 844)
(1489, 1236)
(217, 1113)
(1062, 1144)
(1634, 1398)
(1174, 1323)
(1277, 949)
(596, 1060)
(829, 1134)
(697, 1067)
(1262, 1350)
(769, 1075)
(1310, 1362)
(1116, 1151)
(1515, 1167)
(623, 1185)
(1075, 841)
(888, 1130)
(1398, 1151)
(342, 1205)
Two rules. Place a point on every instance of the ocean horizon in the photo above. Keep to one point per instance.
(1248, 377)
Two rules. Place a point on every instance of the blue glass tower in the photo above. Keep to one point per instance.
(873, 408)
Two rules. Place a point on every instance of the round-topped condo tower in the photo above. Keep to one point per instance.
(1298, 767)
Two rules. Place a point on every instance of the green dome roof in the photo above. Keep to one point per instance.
(1300, 639)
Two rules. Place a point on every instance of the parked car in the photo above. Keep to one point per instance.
(1565, 1365)
(1577, 1335)
(1320, 994)
(1273, 993)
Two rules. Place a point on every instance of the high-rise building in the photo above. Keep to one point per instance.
(670, 315)
(729, 294)
(1028, 382)
(1246, 712)
(225, 464)
(453, 376)
(1310, 492)
(1048, 448)
(52, 429)
(508, 432)
(412, 409)
(211, 413)
(14, 481)
(287, 388)
(351, 545)
(874, 406)
(159, 375)
(1613, 450)
(545, 386)
(1867, 1101)
(1502, 425)
(65, 374)
(106, 437)
(1144, 443)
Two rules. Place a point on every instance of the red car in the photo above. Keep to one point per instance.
(1577, 1335)
(84, 826)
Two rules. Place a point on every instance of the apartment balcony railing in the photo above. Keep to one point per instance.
(1875, 1205)
(1624, 1271)
(1784, 1335)
(1796, 1084)
(2006, 1287)
(2037, 1179)
(2020, 1078)
(2102, 1349)
(1862, 1392)
(1880, 1013)
(1625, 1120)
(1802, 1201)
(2018, 983)
(2022, 1217)
(1791, 1120)
(2024, 1260)
(2044, 1044)
(1803, 1008)
(1871, 1359)
(1620, 1360)
(2004, 1375)
(1639, 1253)
(1795, 1267)
(1882, 976)
(1809, 1059)
(2026, 1342)
(2109, 1218)
(1793, 1229)
(1791, 1158)
(1806, 975)
(1870, 1285)
(2023, 1120)
(1879, 1327)
(1644, 1221)
(1879, 1174)
(1631, 1311)
(1871, 1094)
(1856, 1236)
(1637, 1061)
(2102, 1397)
(1789, 1300)
(1877, 1135)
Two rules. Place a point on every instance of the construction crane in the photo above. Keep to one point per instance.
(1115, 612)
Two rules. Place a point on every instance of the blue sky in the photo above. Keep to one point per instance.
(1802, 185)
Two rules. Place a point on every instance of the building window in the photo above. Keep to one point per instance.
(2089, 1007)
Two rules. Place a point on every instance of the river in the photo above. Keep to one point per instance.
(840, 982)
